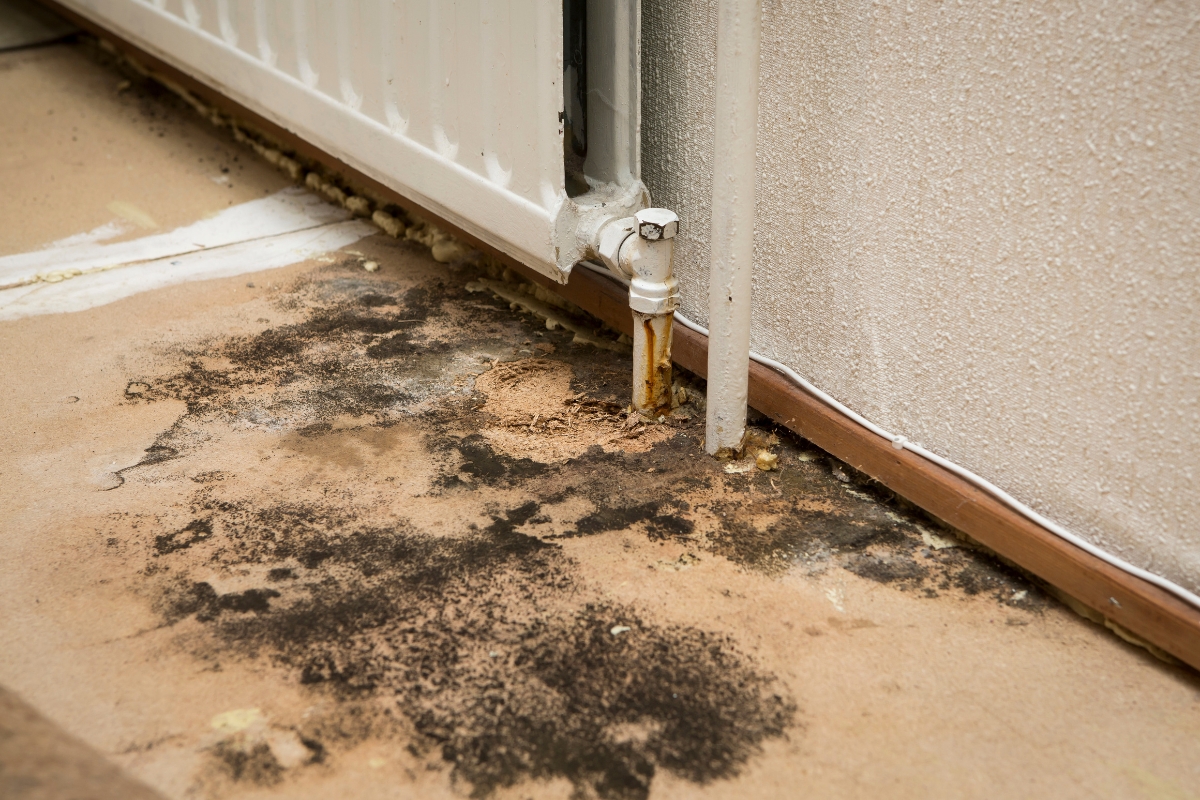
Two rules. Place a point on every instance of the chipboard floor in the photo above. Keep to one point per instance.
(291, 509)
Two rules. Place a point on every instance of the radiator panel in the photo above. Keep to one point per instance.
(454, 105)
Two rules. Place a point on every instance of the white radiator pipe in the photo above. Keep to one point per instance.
(732, 234)
(640, 250)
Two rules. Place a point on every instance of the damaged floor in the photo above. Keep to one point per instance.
(356, 527)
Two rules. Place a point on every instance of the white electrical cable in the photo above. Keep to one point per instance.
(901, 443)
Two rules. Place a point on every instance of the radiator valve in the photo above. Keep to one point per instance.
(641, 249)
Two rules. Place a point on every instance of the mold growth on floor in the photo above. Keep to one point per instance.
(382, 487)
(484, 642)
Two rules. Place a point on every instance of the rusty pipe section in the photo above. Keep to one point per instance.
(641, 249)
(652, 362)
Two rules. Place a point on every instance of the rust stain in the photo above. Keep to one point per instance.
(651, 376)
(656, 377)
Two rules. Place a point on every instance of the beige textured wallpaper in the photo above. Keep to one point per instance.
(979, 226)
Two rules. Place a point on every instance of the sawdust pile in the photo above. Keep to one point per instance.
(538, 416)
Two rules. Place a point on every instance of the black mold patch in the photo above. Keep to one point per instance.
(798, 534)
(203, 601)
(336, 361)
(513, 519)
(372, 300)
(195, 531)
(865, 529)
(618, 518)
(421, 301)
(484, 465)
(198, 387)
(136, 389)
(253, 764)
(478, 641)
(980, 573)
(888, 569)
(623, 706)
(396, 346)
(316, 429)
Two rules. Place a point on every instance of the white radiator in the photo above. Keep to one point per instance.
(455, 104)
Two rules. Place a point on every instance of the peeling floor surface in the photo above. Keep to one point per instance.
(323, 532)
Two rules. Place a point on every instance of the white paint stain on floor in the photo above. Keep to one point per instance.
(82, 272)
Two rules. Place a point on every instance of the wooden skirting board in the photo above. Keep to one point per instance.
(1137, 606)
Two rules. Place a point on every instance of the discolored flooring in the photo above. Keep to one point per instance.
(320, 531)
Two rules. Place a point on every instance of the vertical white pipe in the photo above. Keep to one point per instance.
(732, 233)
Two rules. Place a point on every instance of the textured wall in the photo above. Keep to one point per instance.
(979, 226)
